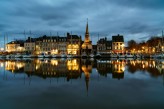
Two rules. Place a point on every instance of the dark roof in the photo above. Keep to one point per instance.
(50, 37)
(16, 42)
(69, 36)
(109, 42)
(102, 41)
(31, 39)
(21, 42)
(118, 38)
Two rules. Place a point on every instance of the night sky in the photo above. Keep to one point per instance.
(135, 19)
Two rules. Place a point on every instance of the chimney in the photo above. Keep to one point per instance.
(68, 34)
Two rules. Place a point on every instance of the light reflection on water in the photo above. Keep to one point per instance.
(76, 83)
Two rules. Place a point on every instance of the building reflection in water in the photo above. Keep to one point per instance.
(87, 69)
(74, 68)
(114, 67)
(54, 68)
(153, 67)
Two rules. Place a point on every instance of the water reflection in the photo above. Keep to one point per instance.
(153, 67)
(73, 68)
(115, 76)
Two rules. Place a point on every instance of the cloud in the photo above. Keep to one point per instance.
(108, 17)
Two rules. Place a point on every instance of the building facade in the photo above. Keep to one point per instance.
(51, 45)
(104, 46)
(59, 45)
(15, 46)
(118, 44)
(73, 44)
(29, 45)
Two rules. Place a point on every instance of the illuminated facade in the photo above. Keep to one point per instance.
(74, 44)
(160, 47)
(15, 46)
(51, 45)
(118, 44)
(59, 45)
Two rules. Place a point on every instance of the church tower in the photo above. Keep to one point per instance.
(87, 38)
(87, 45)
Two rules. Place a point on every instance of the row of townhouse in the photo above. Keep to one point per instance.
(71, 44)
(47, 44)
(116, 45)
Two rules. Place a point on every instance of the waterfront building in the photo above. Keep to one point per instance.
(87, 44)
(94, 49)
(51, 45)
(73, 44)
(104, 46)
(118, 44)
(15, 46)
(59, 45)
(160, 46)
(29, 45)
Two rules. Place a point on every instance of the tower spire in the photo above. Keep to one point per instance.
(87, 31)
(87, 38)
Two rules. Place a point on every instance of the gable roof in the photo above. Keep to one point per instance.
(118, 38)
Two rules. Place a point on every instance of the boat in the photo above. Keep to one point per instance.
(63, 55)
(84, 55)
(47, 56)
(129, 55)
(40, 56)
(98, 55)
(2, 56)
(91, 55)
(27, 56)
(69, 56)
(114, 55)
(53, 56)
(18, 56)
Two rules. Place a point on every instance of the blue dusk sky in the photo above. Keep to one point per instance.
(135, 19)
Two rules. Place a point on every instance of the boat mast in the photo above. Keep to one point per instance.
(162, 43)
(6, 38)
(57, 42)
(50, 42)
(24, 34)
(71, 43)
(4, 43)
